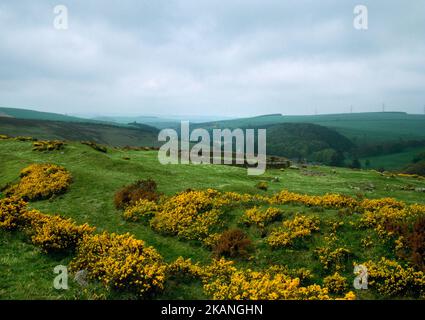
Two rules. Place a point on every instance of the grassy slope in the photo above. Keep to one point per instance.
(38, 115)
(26, 273)
(101, 133)
(395, 161)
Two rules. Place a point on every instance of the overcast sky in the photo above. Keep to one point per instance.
(201, 57)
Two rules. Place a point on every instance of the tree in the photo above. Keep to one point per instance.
(337, 159)
(356, 164)
(367, 163)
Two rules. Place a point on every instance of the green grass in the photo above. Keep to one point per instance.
(26, 273)
(395, 161)
(38, 115)
(103, 133)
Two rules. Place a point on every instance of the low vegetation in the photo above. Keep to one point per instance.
(40, 181)
(131, 194)
(214, 235)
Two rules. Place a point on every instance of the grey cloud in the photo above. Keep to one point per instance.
(229, 58)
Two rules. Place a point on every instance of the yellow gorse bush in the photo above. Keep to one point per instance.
(51, 233)
(185, 268)
(189, 215)
(335, 283)
(121, 262)
(333, 258)
(250, 285)
(261, 217)
(377, 204)
(222, 280)
(234, 198)
(299, 227)
(417, 209)
(142, 210)
(11, 213)
(41, 181)
(388, 214)
(211, 240)
(335, 201)
(54, 233)
(392, 279)
(302, 273)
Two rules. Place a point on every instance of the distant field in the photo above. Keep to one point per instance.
(395, 161)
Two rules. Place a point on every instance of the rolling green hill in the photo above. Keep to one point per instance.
(305, 140)
(96, 177)
(287, 136)
(157, 122)
(372, 126)
(359, 127)
(107, 134)
(38, 115)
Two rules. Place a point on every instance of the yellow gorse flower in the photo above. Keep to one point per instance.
(299, 227)
(190, 215)
(11, 213)
(41, 181)
(261, 217)
(121, 262)
(392, 279)
(142, 210)
(335, 283)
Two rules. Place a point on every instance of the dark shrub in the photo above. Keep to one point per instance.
(416, 242)
(232, 243)
(142, 189)
(414, 235)
(355, 164)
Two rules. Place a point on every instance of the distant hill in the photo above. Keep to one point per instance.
(359, 127)
(328, 139)
(158, 122)
(305, 140)
(37, 115)
(101, 133)
(300, 141)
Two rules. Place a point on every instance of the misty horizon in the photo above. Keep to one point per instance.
(207, 117)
